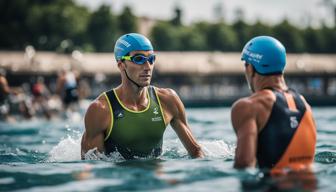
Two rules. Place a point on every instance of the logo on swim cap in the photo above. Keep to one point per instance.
(131, 42)
(125, 43)
(266, 54)
(256, 57)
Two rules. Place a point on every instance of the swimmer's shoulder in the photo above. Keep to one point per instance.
(98, 113)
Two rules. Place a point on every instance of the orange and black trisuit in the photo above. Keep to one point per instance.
(289, 136)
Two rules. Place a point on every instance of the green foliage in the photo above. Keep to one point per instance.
(63, 25)
(329, 35)
(101, 29)
(221, 37)
(191, 39)
(315, 40)
(258, 29)
(165, 37)
(45, 24)
(12, 25)
(290, 37)
(52, 24)
(127, 21)
(242, 31)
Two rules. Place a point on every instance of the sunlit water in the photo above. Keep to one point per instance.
(42, 155)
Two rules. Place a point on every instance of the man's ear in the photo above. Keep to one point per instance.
(121, 65)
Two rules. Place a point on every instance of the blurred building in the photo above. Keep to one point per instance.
(201, 78)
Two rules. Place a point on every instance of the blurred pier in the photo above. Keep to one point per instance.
(200, 78)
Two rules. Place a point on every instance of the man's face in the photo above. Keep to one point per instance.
(140, 73)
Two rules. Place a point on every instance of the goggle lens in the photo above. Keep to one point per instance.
(141, 59)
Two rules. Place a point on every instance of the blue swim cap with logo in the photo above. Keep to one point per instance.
(131, 42)
(266, 54)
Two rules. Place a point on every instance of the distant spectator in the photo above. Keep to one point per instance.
(40, 97)
(67, 87)
(4, 92)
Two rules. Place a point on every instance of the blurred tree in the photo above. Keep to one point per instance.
(203, 28)
(59, 25)
(43, 24)
(191, 39)
(259, 28)
(12, 24)
(177, 20)
(165, 37)
(64, 26)
(242, 31)
(329, 33)
(290, 36)
(241, 28)
(101, 29)
(315, 40)
(221, 37)
(127, 21)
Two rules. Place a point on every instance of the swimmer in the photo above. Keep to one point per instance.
(132, 117)
(67, 87)
(274, 126)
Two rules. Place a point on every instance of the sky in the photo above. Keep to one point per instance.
(298, 12)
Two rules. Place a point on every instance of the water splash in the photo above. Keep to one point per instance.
(217, 149)
(173, 149)
(67, 149)
(94, 154)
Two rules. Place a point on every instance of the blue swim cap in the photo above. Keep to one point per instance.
(131, 42)
(266, 54)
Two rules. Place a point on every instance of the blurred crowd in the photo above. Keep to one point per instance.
(37, 100)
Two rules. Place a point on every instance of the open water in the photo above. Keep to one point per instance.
(40, 155)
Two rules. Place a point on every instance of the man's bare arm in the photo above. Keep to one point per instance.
(97, 119)
(243, 119)
(181, 127)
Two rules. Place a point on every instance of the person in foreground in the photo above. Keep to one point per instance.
(132, 117)
(274, 126)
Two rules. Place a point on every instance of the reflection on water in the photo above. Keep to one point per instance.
(44, 155)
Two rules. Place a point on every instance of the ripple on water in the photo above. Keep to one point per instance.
(326, 157)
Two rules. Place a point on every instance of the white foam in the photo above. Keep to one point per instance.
(94, 154)
(66, 150)
(211, 149)
(217, 149)
(69, 149)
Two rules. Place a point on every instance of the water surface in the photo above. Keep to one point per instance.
(41, 155)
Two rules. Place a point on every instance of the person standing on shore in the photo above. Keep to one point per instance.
(132, 117)
(274, 126)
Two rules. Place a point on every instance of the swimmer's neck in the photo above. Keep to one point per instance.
(132, 95)
(276, 82)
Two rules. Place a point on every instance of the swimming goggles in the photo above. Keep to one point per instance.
(140, 59)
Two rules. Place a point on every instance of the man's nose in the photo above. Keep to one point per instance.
(147, 65)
